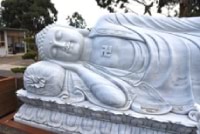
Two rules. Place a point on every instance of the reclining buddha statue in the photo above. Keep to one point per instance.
(145, 64)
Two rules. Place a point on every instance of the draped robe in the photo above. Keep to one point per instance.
(169, 67)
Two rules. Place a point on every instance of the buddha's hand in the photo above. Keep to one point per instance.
(109, 95)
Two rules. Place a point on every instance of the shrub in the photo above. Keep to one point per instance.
(18, 69)
(30, 55)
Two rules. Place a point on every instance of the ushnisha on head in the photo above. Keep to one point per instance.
(63, 43)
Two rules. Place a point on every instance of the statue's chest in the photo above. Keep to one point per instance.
(106, 46)
(109, 51)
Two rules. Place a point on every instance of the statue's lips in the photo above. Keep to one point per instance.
(63, 52)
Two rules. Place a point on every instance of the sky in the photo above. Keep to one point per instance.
(87, 8)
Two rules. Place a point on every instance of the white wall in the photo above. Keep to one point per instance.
(2, 51)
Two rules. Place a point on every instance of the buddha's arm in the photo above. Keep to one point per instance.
(104, 90)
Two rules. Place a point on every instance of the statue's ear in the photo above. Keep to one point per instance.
(84, 32)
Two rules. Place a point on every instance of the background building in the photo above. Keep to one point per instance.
(12, 41)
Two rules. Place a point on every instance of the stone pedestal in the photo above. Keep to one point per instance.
(86, 118)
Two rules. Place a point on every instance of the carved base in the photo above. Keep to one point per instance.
(60, 122)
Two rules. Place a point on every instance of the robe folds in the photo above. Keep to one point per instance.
(167, 76)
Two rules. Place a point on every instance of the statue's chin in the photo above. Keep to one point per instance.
(61, 55)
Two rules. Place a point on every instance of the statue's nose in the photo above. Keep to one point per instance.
(66, 46)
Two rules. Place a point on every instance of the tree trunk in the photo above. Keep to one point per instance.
(185, 7)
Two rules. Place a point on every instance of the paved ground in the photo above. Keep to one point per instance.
(12, 61)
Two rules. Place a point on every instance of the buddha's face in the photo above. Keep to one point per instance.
(63, 44)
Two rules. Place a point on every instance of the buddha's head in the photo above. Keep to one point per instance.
(61, 43)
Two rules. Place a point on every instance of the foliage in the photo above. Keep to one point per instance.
(114, 5)
(31, 49)
(30, 55)
(28, 14)
(163, 3)
(187, 7)
(1, 21)
(76, 20)
(30, 42)
(18, 69)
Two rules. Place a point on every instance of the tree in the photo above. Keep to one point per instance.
(115, 5)
(163, 3)
(1, 21)
(187, 7)
(29, 14)
(76, 20)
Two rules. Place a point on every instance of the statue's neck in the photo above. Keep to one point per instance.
(87, 49)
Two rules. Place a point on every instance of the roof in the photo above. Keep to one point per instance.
(11, 29)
